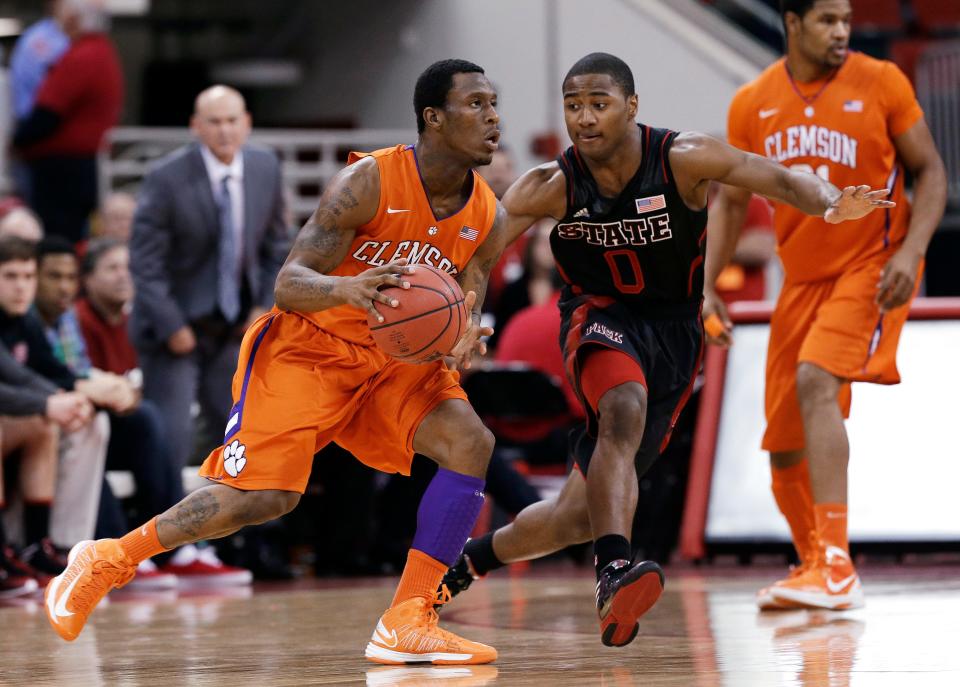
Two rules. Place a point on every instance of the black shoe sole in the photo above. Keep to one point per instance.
(639, 590)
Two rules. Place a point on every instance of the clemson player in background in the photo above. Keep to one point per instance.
(309, 372)
(850, 119)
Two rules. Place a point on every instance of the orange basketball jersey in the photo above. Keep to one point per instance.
(405, 227)
(841, 128)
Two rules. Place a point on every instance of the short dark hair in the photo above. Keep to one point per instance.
(16, 248)
(54, 245)
(798, 7)
(96, 249)
(604, 63)
(435, 83)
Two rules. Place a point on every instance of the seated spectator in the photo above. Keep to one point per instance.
(115, 219)
(21, 222)
(31, 410)
(744, 279)
(72, 513)
(537, 282)
(499, 174)
(137, 443)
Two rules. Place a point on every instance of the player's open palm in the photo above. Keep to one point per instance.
(856, 202)
(363, 290)
(469, 343)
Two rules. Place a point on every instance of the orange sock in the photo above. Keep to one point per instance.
(142, 543)
(794, 496)
(421, 577)
(832, 525)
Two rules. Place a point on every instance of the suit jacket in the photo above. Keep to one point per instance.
(176, 228)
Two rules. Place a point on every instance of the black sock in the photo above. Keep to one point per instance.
(36, 521)
(608, 548)
(482, 557)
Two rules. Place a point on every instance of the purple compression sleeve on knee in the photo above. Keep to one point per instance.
(447, 513)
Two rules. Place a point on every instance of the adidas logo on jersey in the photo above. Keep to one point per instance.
(582, 212)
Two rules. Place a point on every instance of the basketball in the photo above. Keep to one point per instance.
(427, 323)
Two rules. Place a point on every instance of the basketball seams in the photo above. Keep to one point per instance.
(460, 311)
(452, 298)
(446, 304)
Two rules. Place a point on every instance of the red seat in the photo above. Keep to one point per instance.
(906, 53)
(877, 16)
(937, 15)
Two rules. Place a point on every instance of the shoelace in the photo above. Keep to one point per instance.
(430, 618)
(88, 593)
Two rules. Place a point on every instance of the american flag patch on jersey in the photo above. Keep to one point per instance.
(468, 233)
(651, 203)
(853, 106)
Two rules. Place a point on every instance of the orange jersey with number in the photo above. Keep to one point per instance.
(405, 227)
(841, 128)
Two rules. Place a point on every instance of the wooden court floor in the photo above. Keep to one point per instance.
(703, 632)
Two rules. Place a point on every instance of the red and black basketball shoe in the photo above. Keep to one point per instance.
(458, 577)
(624, 593)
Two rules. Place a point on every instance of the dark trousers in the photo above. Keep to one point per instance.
(138, 444)
(63, 193)
(174, 382)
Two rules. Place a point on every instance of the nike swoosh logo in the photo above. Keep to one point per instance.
(143, 530)
(835, 552)
(61, 608)
(385, 638)
(764, 114)
(393, 211)
(836, 587)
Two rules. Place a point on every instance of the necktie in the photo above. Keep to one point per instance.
(228, 287)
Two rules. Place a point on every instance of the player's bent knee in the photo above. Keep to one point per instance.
(476, 441)
(622, 411)
(814, 384)
(273, 503)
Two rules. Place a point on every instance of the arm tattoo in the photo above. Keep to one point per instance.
(193, 513)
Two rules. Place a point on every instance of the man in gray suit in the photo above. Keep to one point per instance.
(208, 239)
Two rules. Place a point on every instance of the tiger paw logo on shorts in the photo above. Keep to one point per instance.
(233, 459)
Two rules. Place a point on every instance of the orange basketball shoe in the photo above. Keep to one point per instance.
(832, 583)
(765, 598)
(94, 568)
(409, 633)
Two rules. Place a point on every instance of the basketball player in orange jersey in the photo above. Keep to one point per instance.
(309, 372)
(631, 204)
(846, 117)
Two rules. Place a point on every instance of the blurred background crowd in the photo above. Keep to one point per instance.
(134, 179)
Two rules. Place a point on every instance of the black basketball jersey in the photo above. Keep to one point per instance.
(645, 247)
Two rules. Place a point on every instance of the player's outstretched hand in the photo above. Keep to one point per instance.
(897, 280)
(856, 202)
(469, 344)
(717, 326)
(362, 291)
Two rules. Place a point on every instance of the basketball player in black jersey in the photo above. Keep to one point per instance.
(631, 205)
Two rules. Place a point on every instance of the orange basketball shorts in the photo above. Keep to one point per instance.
(297, 388)
(836, 325)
